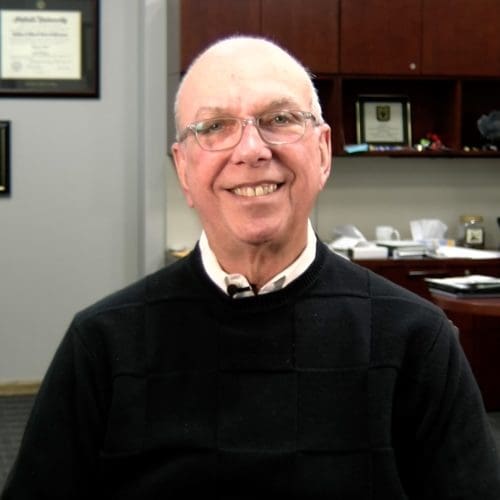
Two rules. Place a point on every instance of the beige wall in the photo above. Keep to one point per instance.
(87, 213)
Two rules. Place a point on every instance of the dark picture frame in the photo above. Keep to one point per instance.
(4, 158)
(383, 120)
(49, 48)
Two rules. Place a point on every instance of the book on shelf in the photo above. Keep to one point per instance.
(403, 248)
(474, 285)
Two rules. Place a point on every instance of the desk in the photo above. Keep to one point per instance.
(411, 273)
(479, 323)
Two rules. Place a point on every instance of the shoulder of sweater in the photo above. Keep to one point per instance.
(350, 279)
(176, 281)
(184, 280)
(408, 323)
(353, 277)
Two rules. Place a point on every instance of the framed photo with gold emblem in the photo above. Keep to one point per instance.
(4, 158)
(383, 120)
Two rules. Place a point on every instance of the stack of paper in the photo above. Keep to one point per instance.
(450, 252)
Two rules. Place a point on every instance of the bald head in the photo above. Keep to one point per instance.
(228, 64)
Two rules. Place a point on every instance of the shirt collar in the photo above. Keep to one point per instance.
(282, 279)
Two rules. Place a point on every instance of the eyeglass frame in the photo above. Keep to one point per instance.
(192, 127)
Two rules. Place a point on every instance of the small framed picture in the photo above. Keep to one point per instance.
(383, 120)
(4, 158)
(49, 48)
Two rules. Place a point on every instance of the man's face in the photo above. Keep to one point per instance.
(255, 193)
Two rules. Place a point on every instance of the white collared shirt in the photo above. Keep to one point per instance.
(282, 279)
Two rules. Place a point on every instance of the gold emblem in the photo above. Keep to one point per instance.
(383, 112)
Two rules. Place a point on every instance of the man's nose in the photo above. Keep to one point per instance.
(250, 132)
(251, 149)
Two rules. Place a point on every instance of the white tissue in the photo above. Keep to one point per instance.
(427, 229)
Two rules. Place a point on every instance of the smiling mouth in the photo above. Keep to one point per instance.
(252, 191)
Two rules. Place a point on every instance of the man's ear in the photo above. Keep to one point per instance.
(325, 149)
(180, 162)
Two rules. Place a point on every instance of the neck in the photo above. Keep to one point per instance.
(259, 263)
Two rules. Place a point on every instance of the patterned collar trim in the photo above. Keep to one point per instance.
(237, 285)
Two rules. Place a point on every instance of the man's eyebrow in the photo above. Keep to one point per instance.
(209, 111)
(284, 102)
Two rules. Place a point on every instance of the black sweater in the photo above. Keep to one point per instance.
(339, 386)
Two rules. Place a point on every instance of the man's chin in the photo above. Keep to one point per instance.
(264, 236)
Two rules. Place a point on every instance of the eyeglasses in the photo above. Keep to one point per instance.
(225, 132)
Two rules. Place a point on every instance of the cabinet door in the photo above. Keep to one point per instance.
(490, 267)
(409, 273)
(205, 21)
(307, 28)
(461, 37)
(380, 37)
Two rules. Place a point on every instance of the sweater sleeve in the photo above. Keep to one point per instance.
(58, 456)
(443, 436)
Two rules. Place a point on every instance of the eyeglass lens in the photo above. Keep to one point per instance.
(275, 128)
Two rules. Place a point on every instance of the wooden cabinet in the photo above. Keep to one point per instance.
(411, 273)
(442, 54)
(461, 37)
(378, 37)
(420, 37)
(478, 323)
(307, 28)
(203, 22)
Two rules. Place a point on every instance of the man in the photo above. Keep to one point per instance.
(261, 364)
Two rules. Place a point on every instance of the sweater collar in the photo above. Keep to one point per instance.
(238, 286)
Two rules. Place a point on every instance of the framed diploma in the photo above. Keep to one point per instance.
(4, 158)
(49, 48)
(383, 120)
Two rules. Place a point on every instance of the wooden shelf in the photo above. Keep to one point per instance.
(448, 107)
(411, 153)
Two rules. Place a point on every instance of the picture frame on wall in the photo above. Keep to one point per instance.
(4, 158)
(383, 120)
(49, 48)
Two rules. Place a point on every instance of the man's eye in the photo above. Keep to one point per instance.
(210, 127)
(280, 119)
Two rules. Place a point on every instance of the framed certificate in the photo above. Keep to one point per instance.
(383, 120)
(49, 48)
(4, 158)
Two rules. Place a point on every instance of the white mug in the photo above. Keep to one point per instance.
(384, 233)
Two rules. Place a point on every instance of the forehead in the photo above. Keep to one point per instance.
(243, 80)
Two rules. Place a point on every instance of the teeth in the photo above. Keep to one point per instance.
(261, 190)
